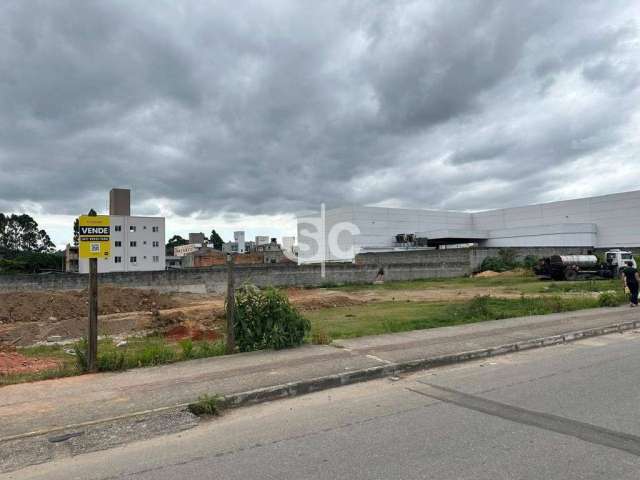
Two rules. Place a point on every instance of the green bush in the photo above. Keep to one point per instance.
(507, 260)
(612, 299)
(495, 264)
(530, 261)
(266, 319)
(205, 406)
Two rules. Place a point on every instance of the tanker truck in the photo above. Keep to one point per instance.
(575, 267)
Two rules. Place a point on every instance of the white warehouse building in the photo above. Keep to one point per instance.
(137, 243)
(607, 221)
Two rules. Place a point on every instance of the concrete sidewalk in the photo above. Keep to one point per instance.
(39, 408)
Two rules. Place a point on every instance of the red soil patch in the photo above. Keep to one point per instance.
(12, 362)
(181, 332)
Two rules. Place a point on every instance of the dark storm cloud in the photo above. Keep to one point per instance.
(273, 107)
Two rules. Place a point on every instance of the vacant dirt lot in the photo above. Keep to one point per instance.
(30, 317)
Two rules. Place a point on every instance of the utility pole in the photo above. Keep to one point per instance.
(93, 316)
(231, 305)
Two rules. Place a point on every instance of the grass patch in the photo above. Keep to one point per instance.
(446, 283)
(513, 284)
(138, 352)
(146, 352)
(60, 372)
(206, 406)
(585, 286)
(390, 317)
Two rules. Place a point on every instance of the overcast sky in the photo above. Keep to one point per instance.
(238, 114)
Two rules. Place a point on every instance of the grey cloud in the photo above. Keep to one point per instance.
(273, 107)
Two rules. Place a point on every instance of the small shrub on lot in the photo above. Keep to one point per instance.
(206, 405)
(187, 348)
(494, 264)
(507, 260)
(529, 262)
(266, 319)
(611, 299)
(320, 337)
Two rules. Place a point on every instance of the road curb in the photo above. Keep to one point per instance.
(302, 387)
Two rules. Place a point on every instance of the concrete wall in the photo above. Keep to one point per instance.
(213, 279)
(407, 265)
(462, 259)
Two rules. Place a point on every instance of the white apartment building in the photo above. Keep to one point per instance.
(137, 243)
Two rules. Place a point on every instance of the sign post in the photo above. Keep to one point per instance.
(94, 242)
(231, 306)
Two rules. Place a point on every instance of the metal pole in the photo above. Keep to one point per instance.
(231, 306)
(92, 353)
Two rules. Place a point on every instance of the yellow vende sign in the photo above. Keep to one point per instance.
(94, 234)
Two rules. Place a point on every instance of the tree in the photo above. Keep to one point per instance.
(76, 227)
(21, 233)
(216, 240)
(174, 241)
(76, 231)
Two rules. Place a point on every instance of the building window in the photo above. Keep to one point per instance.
(118, 243)
(155, 229)
(118, 228)
(144, 242)
(132, 228)
(156, 243)
(133, 259)
(156, 259)
(117, 259)
(144, 227)
(133, 243)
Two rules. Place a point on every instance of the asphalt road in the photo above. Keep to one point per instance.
(568, 412)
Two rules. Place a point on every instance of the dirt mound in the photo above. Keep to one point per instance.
(317, 299)
(487, 274)
(13, 362)
(53, 305)
(182, 332)
(518, 272)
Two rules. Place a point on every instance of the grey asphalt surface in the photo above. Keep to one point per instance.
(569, 411)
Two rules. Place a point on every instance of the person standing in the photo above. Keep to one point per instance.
(631, 280)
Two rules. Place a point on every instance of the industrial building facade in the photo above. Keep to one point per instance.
(607, 221)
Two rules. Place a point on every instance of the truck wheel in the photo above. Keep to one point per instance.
(570, 274)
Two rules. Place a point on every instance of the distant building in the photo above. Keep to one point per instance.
(120, 202)
(197, 238)
(272, 252)
(137, 243)
(237, 246)
(182, 250)
(262, 240)
(607, 221)
(238, 237)
(209, 257)
(173, 262)
(288, 243)
(71, 258)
